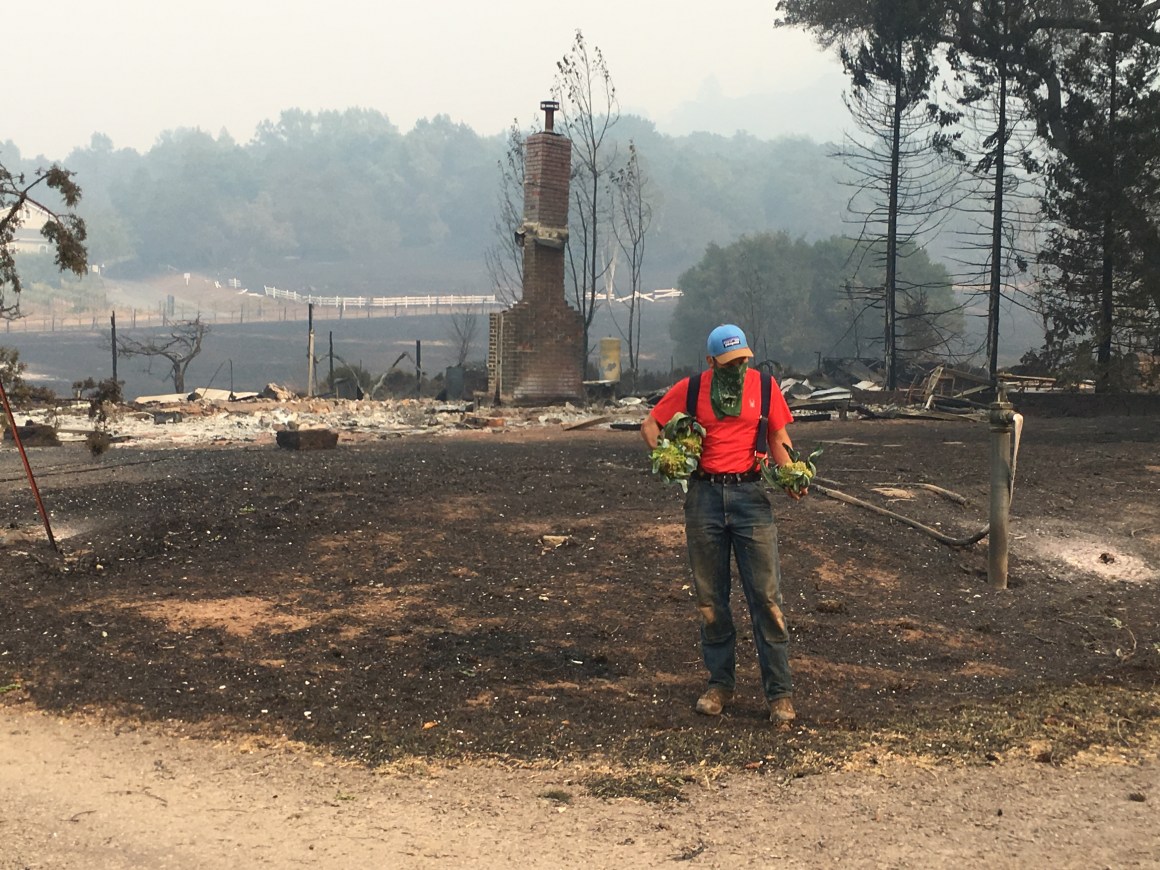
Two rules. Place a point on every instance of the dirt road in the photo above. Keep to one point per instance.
(93, 796)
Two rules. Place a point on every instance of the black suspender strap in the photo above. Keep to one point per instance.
(693, 395)
(760, 446)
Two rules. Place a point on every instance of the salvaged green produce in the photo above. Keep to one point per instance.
(794, 477)
(678, 450)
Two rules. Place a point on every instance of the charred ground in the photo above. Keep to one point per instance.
(397, 597)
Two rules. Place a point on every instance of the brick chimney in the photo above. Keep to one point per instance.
(536, 347)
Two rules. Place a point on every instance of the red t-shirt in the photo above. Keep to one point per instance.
(728, 444)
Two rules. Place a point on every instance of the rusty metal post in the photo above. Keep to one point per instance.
(27, 467)
(1002, 417)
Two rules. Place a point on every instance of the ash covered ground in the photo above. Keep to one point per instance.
(520, 592)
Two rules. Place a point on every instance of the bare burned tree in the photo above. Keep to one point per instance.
(178, 348)
(365, 385)
(463, 331)
(903, 190)
(589, 109)
(505, 258)
(634, 217)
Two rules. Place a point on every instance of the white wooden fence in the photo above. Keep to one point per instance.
(428, 301)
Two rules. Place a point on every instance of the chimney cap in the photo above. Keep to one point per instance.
(550, 107)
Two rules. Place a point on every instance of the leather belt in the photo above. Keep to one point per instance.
(731, 478)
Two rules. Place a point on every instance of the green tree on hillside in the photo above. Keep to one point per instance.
(796, 299)
(48, 196)
(112, 239)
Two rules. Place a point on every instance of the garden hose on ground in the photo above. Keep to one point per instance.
(825, 487)
(838, 495)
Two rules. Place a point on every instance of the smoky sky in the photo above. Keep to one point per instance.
(132, 69)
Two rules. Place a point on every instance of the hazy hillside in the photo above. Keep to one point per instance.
(344, 202)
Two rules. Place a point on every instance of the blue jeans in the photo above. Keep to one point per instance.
(723, 520)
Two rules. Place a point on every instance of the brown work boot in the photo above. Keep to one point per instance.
(714, 700)
(781, 711)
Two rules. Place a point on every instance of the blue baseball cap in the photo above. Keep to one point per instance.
(727, 342)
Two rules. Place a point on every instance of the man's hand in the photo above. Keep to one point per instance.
(794, 475)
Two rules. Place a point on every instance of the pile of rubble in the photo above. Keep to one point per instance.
(932, 391)
(837, 389)
(218, 416)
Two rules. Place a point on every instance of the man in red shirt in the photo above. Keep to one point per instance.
(728, 512)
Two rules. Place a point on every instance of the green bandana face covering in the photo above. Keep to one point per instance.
(725, 393)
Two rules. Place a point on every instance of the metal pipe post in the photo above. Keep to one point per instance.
(1002, 416)
(310, 351)
(27, 467)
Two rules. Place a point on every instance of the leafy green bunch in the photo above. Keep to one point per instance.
(794, 477)
(678, 450)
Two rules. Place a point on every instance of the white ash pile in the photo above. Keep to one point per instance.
(210, 417)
